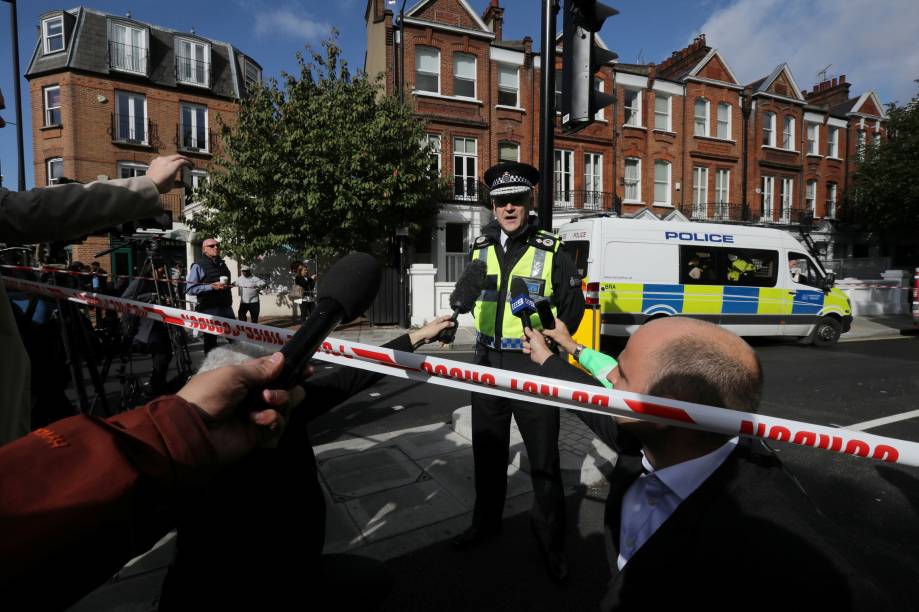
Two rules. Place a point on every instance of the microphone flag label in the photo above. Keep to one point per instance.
(522, 305)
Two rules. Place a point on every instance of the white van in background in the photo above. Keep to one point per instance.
(754, 281)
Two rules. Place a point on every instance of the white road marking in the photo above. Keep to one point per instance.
(903, 416)
(374, 394)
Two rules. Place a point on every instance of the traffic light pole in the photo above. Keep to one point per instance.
(17, 94)
(547, 114)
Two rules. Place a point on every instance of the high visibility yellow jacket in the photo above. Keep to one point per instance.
(496, 325)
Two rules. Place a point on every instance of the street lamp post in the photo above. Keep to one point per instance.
(18, 94)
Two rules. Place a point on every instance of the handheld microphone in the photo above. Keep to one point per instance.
(521, 303)
(462, 300)
(544, 310)
(343, 294)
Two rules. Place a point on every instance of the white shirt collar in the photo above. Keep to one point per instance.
(684, 478)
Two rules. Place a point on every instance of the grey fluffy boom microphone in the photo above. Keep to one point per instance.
(462, 300)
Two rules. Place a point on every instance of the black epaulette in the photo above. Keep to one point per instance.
(482, 241)
(543, 240)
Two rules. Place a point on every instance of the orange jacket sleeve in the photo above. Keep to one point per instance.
(80, 497)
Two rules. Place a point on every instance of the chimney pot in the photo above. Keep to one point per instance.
(834, 83)
(842, 79)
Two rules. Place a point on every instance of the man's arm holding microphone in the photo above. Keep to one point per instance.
(74, 495)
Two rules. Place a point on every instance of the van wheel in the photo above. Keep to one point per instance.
(826, 332)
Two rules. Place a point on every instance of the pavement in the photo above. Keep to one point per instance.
(392, 494)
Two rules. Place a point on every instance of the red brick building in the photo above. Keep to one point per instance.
(110, 93)
(685, 138)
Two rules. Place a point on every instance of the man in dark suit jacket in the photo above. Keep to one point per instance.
(713, 520)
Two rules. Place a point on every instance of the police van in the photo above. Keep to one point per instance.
(754, 281)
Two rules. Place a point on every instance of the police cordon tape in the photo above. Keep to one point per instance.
(492, 381)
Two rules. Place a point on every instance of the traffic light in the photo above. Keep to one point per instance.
(581, 59)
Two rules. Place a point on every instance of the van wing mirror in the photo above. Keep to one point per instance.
(829, 281)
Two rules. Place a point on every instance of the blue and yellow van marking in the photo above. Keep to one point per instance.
(654, 298)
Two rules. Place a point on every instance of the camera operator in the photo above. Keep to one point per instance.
(60, 213)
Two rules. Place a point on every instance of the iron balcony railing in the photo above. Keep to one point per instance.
(132, 129)
(750, 213)
(469, 189)
(586, 200)
(127, 57)
(194, 140)
(193, 71)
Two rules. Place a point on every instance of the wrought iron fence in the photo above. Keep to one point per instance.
(454, 263)
(123, 56)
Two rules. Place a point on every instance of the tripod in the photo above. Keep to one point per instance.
(155, 287)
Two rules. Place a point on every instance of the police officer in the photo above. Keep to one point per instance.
(513, 246)
(204, 282)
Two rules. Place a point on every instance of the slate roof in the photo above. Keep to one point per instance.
(86, 36)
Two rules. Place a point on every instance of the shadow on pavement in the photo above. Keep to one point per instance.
(506, 573)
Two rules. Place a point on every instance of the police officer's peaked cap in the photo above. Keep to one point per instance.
(510, 177)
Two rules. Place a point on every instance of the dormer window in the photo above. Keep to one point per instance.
(193, 62)
(52, 30)
(253, 73)
(128, 48)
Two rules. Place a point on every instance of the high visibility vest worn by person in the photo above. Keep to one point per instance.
(512, 246)
(738, 267)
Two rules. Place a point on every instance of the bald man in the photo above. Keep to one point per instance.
(704, 518)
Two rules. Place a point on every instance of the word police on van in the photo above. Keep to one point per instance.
(723, 238)
(754, 281)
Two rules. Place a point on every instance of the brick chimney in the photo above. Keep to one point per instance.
(830, 92)
(494, 18)
(684, 59)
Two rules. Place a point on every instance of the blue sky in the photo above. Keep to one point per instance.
(872, 42)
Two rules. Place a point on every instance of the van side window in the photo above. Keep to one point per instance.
(578, 250)
(803, 271)
(750, 267)
(699, 265)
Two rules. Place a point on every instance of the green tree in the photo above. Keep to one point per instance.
(320, 164)
(884, 194)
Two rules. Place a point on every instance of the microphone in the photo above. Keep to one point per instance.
(467, 290)
(343, 294)
(544, 310)
(521, 303)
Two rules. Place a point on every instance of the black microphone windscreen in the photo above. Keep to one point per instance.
(468, 286)
(353, 282)
(519, 287)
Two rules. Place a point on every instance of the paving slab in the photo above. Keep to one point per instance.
(401, 510)
(367, 472)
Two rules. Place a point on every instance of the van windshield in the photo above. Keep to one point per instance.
(578, 250)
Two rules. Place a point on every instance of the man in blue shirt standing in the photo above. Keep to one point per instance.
(209, 281)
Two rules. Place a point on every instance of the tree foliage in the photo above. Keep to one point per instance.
(320, 164)
(884, 194)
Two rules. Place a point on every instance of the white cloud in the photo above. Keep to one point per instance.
(872, 42)
(289, 22)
